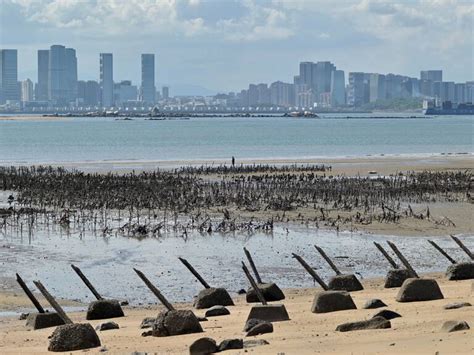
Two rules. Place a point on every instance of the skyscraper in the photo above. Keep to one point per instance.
(43, 68)
(27, 90)
(106, 79)
(62, 74)
(357, 94)
(8, 75)
(433, 75)
(377, 87)
(338, 88)
(165, 90)
(148, 89)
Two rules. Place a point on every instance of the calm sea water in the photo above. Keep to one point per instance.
(101, 139)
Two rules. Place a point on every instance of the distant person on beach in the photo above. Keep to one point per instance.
(233, 161)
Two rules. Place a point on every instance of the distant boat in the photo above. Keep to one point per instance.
(304, 114)
(447, 108)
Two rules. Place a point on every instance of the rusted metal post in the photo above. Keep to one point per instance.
(59, 310)
(438, 248)
(155, 290)
(252, 265)
(387, 256)
(463, 247)
(194, 272)
(254, 284)
(87, 282)
(310, 271)
(402, 259)
(329, 261)
(29, 294)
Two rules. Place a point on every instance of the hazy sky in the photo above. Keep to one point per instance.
(225, 44)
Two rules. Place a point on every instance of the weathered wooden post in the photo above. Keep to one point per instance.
(340, 282)
(328, 260)
(265, 311)
(252, 265)
(29, 294)
(310, 271)
(53, 302)
(210, 296)
(442, 252)
(396, 276)
(101, 308)
(463, 247)
(194, 272)
(86, 282)
(403, 259)
(270, 290)
(155, 290)
(386, 255)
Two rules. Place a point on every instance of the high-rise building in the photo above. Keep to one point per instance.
(124, 92)
(357, 93)
(432, 75)
(263, 94)
(165, 92)
(43, 70)
(62, 75)
(460, 93)
(377, 88)
(106, 80)
(27, 90)
(282, 94)
(317, 76)
(446, 91)
(338, 88)
(148, 78)
(9, 75)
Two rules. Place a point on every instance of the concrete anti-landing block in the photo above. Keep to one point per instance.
(347, 283)
(269, 313)
(43, 320)
(104, 309)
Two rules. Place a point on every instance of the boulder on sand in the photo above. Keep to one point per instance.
(212, 296)
(217, 311)
(374, 303)
(104, 309)
(454, 326)
(70, 337)
(396, 277)
(415, 289)
(176, 322)
(230, 344)
(457, 305)
(43, 320)
(260, 328)
(387, 314)
(373, 323)
(461, 271)
(331, 301)
(203, 346)
(347, 283)
(271, 292)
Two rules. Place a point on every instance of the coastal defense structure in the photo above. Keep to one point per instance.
(155, 290)
(210, 296)
(396, 276)
(311, 271)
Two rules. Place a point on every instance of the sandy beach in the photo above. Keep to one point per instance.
(418, 331)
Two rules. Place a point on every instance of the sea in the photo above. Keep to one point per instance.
(217, 139)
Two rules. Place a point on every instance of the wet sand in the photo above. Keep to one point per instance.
(417, 332)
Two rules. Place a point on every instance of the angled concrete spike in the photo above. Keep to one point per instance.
(254, 284)
(438, 248)
(59, 310)
(463, 247)
(387, 256)
(194, 272)
(30, 295)
(402, 259)
(252, 265)
(155, 290)
(310, 271)
(87, 282)
(328, 260)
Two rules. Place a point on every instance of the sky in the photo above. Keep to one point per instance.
(223, 45)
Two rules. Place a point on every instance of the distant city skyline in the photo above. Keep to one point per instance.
(223, 46)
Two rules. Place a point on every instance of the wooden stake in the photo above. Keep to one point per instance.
(252, 265)
(53, 303)
(438, 248)
(155, 291)
(254, 284)
(87, 282)
(194, 272)
(329, 261)
(463, 247)
(402, 259)
(29, 294)
(387, 256)
(310, 270)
